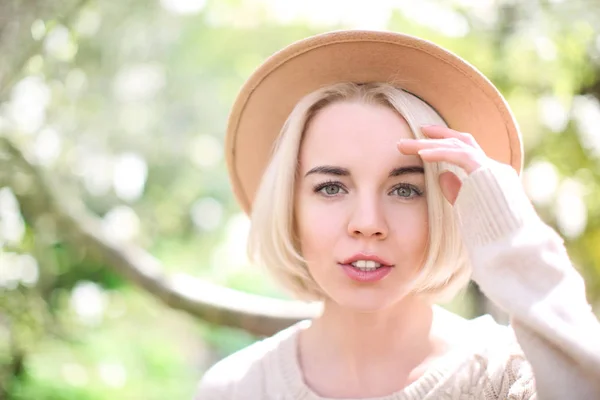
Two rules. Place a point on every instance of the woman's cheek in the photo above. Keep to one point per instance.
(319, 227)
(411, 227)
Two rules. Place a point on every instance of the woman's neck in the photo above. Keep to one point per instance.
(372, 352)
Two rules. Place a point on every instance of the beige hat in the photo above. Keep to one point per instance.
(464, 98)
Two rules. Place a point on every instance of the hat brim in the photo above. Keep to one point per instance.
(463, 96)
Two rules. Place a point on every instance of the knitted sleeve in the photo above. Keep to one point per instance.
(215, 385)
(521, 264)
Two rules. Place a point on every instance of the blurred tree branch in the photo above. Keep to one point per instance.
(212, 303)
(592, 89)
(8, 79)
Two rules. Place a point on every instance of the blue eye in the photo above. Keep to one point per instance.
(407, 191)
(329, 189)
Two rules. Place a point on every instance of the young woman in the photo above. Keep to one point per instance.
(381, 174)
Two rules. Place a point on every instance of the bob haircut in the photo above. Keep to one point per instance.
(273, 241)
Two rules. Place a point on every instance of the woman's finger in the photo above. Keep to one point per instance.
(412, 146)
(447, 149)
(467, 159)
(438, 132)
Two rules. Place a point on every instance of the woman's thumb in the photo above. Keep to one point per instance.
(450, 185)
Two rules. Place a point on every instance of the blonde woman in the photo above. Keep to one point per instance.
(381, 173)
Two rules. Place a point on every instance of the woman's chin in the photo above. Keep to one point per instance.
(366, 302)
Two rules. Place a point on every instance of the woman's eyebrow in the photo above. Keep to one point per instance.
(415, 169)
(339, 171)
(328, 170)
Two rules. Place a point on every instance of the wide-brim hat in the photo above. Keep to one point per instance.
(462, 96)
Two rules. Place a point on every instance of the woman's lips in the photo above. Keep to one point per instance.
(366, 257)
(366, 276)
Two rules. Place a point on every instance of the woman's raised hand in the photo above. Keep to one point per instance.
(449, 146)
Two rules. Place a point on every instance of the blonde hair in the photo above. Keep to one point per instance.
(273, 241)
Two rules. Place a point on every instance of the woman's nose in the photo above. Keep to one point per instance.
(368, 219)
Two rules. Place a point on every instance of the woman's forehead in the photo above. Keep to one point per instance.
(352, 131)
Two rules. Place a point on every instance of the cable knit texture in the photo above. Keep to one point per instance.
(550, 351)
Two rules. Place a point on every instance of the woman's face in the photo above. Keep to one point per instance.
(358, 198)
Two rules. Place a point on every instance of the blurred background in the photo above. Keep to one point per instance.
(122, 252)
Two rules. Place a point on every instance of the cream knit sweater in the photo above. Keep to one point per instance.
(551, 350)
